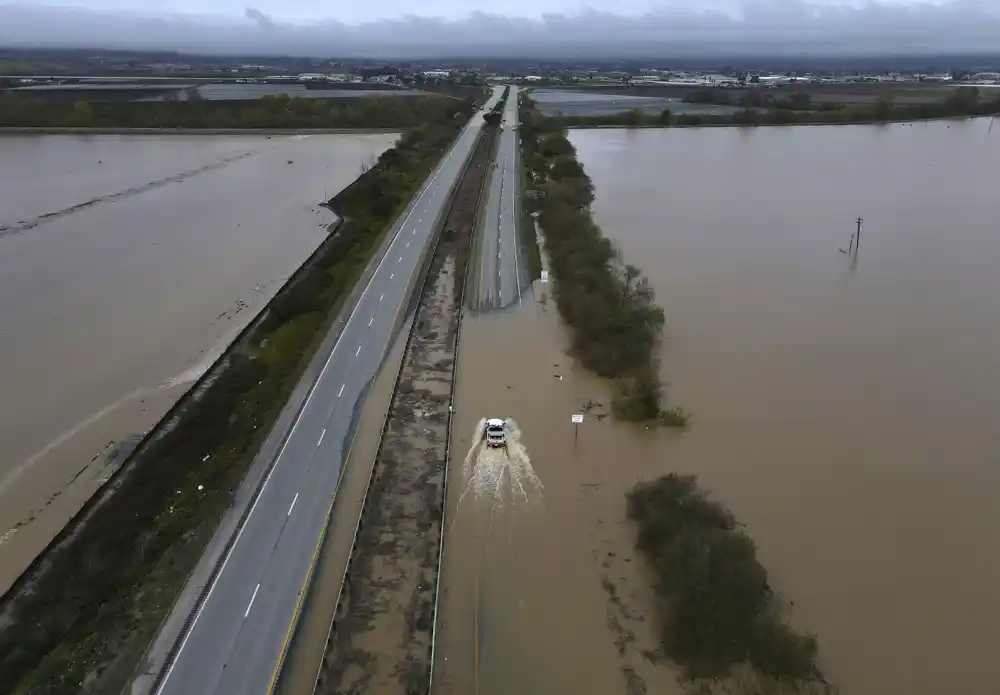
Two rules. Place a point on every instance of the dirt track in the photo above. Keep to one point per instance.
(383, 628)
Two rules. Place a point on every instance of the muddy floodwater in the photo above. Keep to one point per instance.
(534, 536)
(845, 411)
(127, 264)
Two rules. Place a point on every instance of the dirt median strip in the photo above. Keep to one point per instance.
(382, 633)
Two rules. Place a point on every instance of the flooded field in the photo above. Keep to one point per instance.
(844, 411)
(127, 264)
(556, 102)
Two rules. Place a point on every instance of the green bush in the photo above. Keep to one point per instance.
(719, 610)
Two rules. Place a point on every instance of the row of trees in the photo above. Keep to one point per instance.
(609, 306)
(87, 618)
(272, 111)
(798, 108)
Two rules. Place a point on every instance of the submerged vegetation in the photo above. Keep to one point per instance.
(720, 617)
(80, 619)
(615, 325)
(759, 107)
(271, 111)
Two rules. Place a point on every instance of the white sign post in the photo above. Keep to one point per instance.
(545, 278)
(577, 419)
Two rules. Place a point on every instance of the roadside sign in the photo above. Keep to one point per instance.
(577, 419)
(545, 278)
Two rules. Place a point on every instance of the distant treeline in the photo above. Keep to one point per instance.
(272, 111)
(760, 108)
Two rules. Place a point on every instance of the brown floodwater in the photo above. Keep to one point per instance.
(535, 539)
(843, 410)
(127, 264)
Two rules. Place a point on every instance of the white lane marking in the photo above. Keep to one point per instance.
(400, 260)
(294, 500)
(358, 351)
(414, 232)
(381, 298)
(341, 392)
(420, 220)
(321, 435)
(252, 599)
(407, 244)
(392, 275)
(370, 321)
(312, 390)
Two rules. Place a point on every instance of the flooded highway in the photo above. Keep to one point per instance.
(127, 264)
(843, 410)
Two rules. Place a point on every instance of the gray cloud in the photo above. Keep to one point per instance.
(777, 27)
(263, 21)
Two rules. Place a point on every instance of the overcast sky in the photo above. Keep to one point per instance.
(396, 28)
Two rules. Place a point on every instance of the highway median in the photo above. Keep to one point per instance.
(80, 618)
(383, 629)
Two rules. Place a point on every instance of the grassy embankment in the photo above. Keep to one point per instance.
(799, 106)
(272, 111)
(615, 326)
(719, 618)
(528, 164)
(86, 613)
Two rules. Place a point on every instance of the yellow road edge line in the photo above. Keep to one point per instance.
(322, 536)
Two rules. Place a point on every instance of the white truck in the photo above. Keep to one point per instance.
(495, 434)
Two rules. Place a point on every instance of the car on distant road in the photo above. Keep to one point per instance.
(495, 434)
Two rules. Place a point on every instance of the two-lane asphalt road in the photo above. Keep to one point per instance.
(239, 636)
(501, 274)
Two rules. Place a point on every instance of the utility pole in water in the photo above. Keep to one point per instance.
(857, 244)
